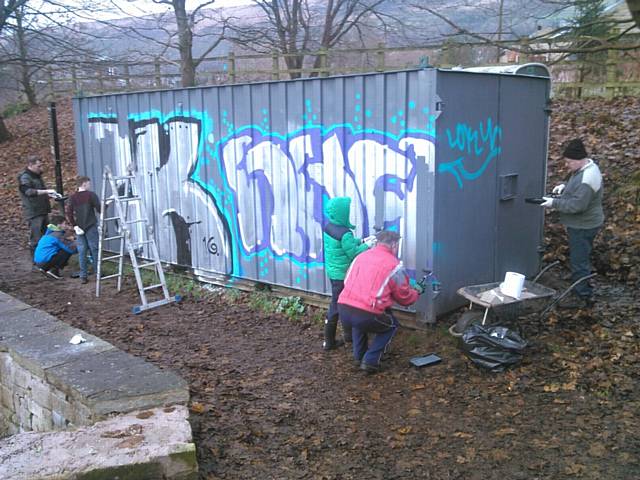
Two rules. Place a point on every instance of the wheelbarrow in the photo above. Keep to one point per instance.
(535, 298)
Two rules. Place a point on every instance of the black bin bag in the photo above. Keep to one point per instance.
(492, 347)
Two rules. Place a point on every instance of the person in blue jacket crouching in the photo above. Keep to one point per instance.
(53, 250)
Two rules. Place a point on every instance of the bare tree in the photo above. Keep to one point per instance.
(42, 35)
(294, 27)
(563, 40)
(7, 9)
(25, 69)
(182, 35)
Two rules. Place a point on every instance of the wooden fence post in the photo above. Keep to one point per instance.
(52, 93)
(74, 78)
(275, 66)
(232, 67)
(380, 60)
(611, 73)
(158, 78)
(100, 80)
(324, 71)
(127, 76)
(524, 45)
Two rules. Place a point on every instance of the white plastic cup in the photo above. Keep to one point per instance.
(513, 284)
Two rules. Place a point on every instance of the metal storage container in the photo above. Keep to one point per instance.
(235, 177)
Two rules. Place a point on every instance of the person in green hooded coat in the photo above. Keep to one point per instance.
(340, 248)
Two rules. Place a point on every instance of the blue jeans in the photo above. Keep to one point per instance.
(580, 246)
(363, 323)
(87, 243)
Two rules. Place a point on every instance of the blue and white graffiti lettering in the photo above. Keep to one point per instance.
(261, 193)
(279, 182)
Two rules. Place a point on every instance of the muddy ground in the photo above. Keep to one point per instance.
(267, 403)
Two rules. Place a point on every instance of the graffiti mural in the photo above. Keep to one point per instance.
(254, 198)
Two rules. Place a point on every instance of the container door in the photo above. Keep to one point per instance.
(468, 142)
(521, 174)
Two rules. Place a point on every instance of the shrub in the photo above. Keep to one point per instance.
(291, 307)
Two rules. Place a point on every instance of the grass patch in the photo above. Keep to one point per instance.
(15, 109)
(176, 284)
(262, 302)
(413, 340)
(232, 295)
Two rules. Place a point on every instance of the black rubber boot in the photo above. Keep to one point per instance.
(330, 342)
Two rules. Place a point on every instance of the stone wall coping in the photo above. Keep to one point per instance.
(95, 373)
(145, 445)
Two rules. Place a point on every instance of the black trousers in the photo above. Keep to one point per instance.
(59, 261)
(336, 289)
(37, 227)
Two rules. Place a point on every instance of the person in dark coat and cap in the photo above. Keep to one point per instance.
(580, 207)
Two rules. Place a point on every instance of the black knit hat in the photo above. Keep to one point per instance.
(575, 150)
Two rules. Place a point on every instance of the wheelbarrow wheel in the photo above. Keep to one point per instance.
(467, 319)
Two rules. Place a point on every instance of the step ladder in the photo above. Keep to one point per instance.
(127, 224)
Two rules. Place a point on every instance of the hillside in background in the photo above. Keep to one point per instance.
(407, 25)
(609, 128)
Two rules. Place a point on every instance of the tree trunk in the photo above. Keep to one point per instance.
(4, 133)
(634, 8)
(294, 63)
(185, 44)
(25, 71)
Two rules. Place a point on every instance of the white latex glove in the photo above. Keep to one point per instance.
(558, 189)
(78, 230)
(548, 202)
(51, 192)
(370, 241)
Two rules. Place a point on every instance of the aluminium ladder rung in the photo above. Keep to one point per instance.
(125, 199)
(144, 265)
(112, 238)
(141, 308)
(151, 287)
(113, 257)
(123, 177)
(129, 222)
(136, 244)
(110, 276)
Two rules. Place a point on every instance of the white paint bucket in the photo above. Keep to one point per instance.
(513, 284)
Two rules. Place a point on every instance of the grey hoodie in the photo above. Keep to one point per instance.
(580, 204)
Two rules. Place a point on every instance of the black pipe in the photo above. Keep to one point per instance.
(55, 149)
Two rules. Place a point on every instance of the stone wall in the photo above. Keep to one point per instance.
(48, 384)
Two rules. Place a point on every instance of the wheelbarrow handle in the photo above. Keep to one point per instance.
(545, 269)
(564, 294)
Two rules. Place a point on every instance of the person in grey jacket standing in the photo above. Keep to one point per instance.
(580, 208)
(35, 200)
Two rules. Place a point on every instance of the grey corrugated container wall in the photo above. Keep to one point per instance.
(234, 177)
